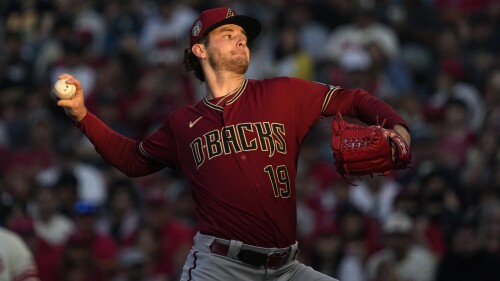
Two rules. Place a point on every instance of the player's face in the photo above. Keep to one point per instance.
(228, 50)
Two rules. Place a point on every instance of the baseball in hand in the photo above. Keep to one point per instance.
(64, 91)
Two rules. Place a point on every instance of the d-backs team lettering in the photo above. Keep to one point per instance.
(241, 137)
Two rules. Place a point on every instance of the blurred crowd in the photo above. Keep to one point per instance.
(436, 61)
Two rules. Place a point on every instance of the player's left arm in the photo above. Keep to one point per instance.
(316, 100)
(369, 109)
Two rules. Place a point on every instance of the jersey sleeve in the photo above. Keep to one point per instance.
(364, 106)
(121, 152)
(161, 145)
(312, 98)
(317, 100)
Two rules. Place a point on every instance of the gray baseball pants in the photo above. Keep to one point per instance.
(203, 265)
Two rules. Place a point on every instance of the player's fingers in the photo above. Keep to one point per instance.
(403, 132)
(62, 103)
(75, 82)
(65, 103)
(74, 107)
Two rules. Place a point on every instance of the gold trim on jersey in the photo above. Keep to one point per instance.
(238, 93)
(328, 97)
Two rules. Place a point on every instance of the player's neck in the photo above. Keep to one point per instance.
(222, 85)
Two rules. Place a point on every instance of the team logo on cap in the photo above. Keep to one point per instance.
(230, 13)
(196, 28)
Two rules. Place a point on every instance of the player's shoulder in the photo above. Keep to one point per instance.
(187, 108)
(280, 81)
(286, 80)
(271, 80)
(185, 112)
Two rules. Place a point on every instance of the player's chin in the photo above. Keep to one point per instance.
(240, 70)
(239, 65)
(240, 56)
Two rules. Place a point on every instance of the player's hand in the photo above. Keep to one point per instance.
(75, 107)
(403, 132)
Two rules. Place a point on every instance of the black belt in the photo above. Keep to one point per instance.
(271, 260)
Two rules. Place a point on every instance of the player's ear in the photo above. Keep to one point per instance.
(199, 50)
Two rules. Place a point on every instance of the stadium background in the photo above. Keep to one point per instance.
(436, 61)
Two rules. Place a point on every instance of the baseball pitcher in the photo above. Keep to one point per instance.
(239, 147)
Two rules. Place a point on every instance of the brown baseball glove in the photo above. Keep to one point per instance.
(366, 150)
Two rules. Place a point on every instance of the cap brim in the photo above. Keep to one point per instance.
(251, 26)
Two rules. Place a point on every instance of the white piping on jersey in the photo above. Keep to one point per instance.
(240, 91)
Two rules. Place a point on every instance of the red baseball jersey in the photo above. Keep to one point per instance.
(241, 158)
